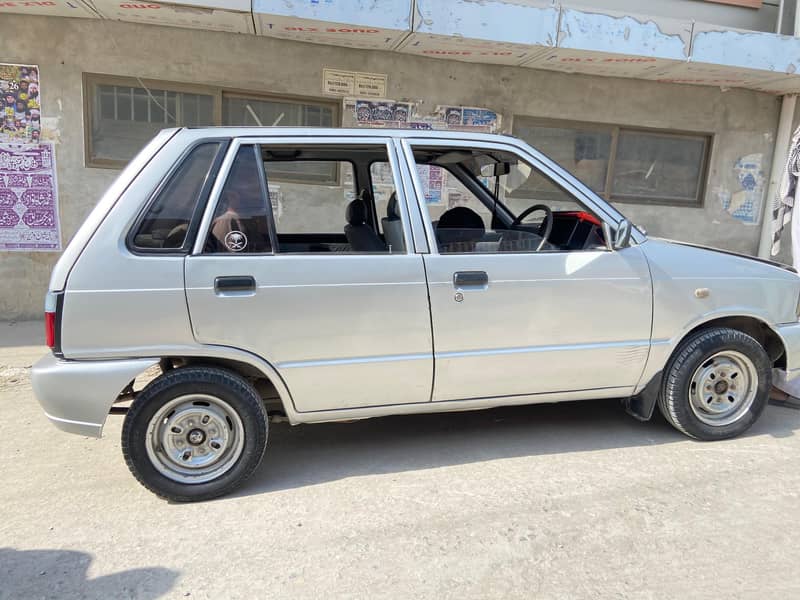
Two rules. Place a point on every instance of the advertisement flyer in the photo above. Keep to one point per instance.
(20, 103)
(28, 198)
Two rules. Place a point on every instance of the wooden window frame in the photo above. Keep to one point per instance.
(92, 80)
(614, 131)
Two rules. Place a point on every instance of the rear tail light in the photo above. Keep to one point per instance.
(52, 306)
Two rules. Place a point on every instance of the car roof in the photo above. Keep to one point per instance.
(378, 132)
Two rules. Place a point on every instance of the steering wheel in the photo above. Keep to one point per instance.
(547, 223)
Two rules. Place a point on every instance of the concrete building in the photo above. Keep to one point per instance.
(673, 114)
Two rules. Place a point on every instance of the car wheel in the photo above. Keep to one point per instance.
(195, 433)
(716, 385)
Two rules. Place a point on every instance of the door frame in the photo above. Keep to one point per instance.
(558, 175)
(411, 233)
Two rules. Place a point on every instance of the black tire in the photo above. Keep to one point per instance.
(231, 391)
(696, 352)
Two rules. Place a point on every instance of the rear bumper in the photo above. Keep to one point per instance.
(76, 395)
(790, 335)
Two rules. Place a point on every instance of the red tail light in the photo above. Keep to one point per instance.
(50, 329)
(51, 308)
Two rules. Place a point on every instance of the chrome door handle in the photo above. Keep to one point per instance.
(237, 283)
(464, 279)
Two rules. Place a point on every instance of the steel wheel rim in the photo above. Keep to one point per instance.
(195, 438)
(723, 388)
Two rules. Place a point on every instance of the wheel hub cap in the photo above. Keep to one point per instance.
(723, 388)
(195, 438)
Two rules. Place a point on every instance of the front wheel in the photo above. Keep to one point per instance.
(195, 433)
(716, 385)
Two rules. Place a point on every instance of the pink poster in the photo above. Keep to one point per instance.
(28, 198)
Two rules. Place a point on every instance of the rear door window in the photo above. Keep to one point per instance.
(172, 217)
(240, 223)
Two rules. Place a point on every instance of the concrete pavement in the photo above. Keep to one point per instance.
(574, 500)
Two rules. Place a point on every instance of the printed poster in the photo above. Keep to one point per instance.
(20, 103)
(28, 198)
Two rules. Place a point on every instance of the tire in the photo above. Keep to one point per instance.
(716, 385)
(195, 433)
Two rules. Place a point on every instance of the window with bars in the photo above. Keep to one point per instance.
(123, 114)
(625, 164)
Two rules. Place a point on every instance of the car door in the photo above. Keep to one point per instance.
(519, 323)
(344, 326)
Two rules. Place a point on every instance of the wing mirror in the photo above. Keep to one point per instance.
(619, 239)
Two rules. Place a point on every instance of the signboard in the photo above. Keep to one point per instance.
(28, 198)
(353, 83)
(352, 23)
(490, 31)
(48, 8)
(233, 16)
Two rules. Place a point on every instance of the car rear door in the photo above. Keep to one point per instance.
(520, 323)
(344, 328)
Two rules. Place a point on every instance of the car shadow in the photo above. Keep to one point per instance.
(63, 574)
(318, 453)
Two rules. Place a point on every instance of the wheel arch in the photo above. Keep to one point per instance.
(642, 404)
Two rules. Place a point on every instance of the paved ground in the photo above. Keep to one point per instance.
(555, 501)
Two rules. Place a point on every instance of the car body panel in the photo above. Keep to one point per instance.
(547, 322)
(693, 286)
(77, 395)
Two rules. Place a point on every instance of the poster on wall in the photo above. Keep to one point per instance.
(28, 198)
(369, 112)
(20, 102)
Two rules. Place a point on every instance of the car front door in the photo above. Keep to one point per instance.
(343, 317)
(512, 321)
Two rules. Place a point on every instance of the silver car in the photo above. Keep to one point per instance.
(230, 275)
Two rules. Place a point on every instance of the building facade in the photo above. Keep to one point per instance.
(672, 116)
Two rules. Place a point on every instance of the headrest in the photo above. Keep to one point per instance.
(392, 208)
(460, 217)
(356, 212)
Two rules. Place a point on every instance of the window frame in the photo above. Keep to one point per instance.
(205, 196)
(92, 80)
(560, 179)
(262, 141)
(615, 130)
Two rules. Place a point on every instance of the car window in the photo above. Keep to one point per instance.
(167, 221)
(357, 212)
(240, 222)
(308, 204)
(493, 202)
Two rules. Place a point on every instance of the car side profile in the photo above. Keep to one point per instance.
(334, 274)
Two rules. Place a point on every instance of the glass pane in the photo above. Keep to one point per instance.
(584, 152)
(305, 205)
(140, 106)
(659, 167)
(472, 209)
(261, 112)
(126, 118)
(240, 219)
(167, 220)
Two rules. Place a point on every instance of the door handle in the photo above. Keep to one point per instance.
(463, 279)
(236, 283)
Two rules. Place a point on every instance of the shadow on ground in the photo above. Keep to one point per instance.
(63, 574)
(318, 453)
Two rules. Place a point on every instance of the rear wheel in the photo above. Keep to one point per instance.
(195, 433)
(716, 384)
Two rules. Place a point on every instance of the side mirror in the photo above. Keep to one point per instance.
(621, 239)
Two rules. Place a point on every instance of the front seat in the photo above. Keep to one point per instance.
(393, 226)
(459, 229)
(360, 236)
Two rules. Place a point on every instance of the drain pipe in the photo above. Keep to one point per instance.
(781, 152)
